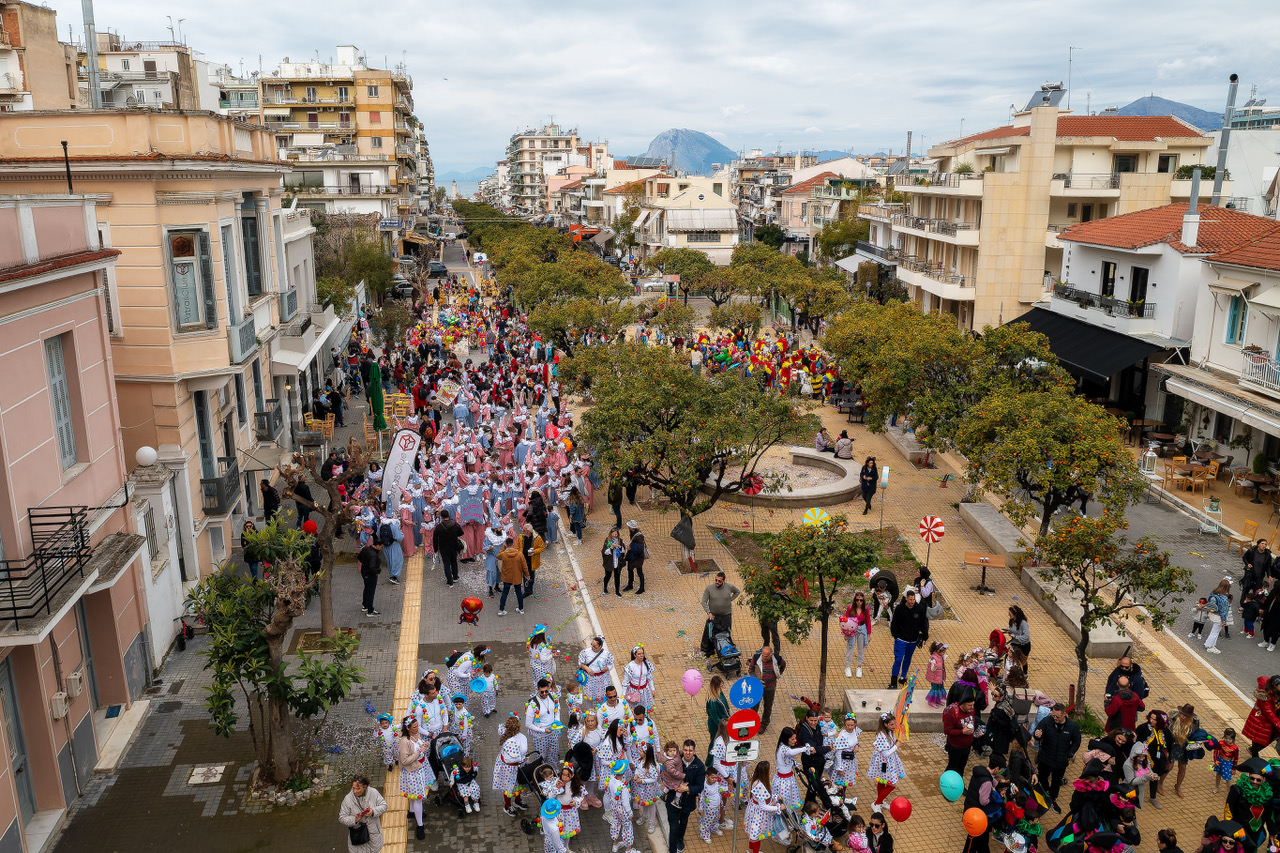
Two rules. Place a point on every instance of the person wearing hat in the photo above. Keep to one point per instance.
(416, 776)
(1222, 836)
(385, 734)
(636, 552)
(1249, 803)
(618, 808)
(1181, 728)
(552, 823)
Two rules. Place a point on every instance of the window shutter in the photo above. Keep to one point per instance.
(63, 426)
(252, 256)
(206, 281)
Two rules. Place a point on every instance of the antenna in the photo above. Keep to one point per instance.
(1070, 50)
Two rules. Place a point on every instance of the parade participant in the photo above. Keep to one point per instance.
(386, 737)
(711, 806)
(416, 777)
(885, 767)
(844, 767)
(637, 678)
(541, 716)
(489, 698)
(595, 662)
(785, 788)
(618, 803)
(645, 789)
(462, 723)
(757, 821)
(513, 750)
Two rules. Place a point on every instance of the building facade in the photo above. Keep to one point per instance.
(37, 72)
(532, 156)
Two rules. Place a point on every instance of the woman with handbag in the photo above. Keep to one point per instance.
(718, 708)
(361, 814)
(1155, 734)
(595, 663)
(1219, 608)
(855, 625)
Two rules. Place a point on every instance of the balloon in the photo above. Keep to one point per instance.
(900, 809)
(692, 681)
(952, 785)
(975, 821)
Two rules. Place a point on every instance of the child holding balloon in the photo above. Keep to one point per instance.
(885, 767)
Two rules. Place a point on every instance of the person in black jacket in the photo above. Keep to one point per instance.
(270, 500)
(302, 500)
(909, 628)
(878, 838)
(370, 560)
(1059, 739)
(536, 514)
(682, 801)
(1258, 565)
(1126, 668)
(446, 539)
(988, 792)
(635, 556)
(808, 734)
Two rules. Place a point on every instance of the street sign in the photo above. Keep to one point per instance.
(744, 752)
(754, 485)
(931, 529)
(746, 692)
(744, 724)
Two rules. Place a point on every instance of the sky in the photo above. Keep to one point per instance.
(806, 74)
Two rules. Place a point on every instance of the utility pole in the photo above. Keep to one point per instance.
(1070, 50)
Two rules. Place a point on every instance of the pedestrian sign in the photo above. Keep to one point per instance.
(746, 692)
(744, 752)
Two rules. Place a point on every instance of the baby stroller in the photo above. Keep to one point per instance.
(445, 756)
(726, 658)
(527, 777)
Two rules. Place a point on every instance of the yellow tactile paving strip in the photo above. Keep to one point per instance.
(395, 825)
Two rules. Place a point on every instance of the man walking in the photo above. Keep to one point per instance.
(767, 667)
(446, 539)
(1059, 739)
(370, 560)
(302, 500)
(514, 570)
(270, 500)
(909, 628)
(717, 602)
(684, 799)
(635, 556)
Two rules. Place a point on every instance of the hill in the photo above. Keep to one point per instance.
(694, 150)
(476, 174)
(1154, 106)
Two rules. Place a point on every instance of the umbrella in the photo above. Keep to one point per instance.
(375, 397)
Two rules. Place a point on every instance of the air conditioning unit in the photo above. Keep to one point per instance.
(224, 397)
(75, 684)
(59, 705)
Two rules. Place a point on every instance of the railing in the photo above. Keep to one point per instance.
(151, 45)
(935, 226)
(1107, 304)
(243, 339)
(881, 211)
(333, 156)
(1089, 180)
(1261, 369)
(879, 251)
(60, 554)
(268, 424)
(311, 125)
(406, 151)
(1237, 202)
(220, 492)
(933, 270)
(357, 189)
(942, 179)
(288, 304)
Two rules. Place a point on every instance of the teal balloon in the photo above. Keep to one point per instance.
(952, 785)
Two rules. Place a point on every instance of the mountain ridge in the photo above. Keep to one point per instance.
(1151, 105)
(694, 150)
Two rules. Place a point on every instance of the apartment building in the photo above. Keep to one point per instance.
(158, 74)
(75, 567)
(199, 298)
(532, 156)
(348, 130)
(979, 239)
(237, 95)
(680, 211)
(37, 72)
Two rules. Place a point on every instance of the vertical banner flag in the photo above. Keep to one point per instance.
(400, 461)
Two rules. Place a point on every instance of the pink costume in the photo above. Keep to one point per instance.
(406, 526)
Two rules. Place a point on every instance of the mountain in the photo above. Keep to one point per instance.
(824, 156)
(1153, 106)
(476, 174)
(695, 151)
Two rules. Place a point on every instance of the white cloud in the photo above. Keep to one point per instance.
(812, 129)
(725, 112)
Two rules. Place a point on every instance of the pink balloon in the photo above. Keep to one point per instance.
(692, 681)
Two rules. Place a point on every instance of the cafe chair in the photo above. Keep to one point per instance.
(1247, 533)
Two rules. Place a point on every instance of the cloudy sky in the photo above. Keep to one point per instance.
(802, 74)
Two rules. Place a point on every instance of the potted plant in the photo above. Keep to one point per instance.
(1135, 307)
(963, 169)
(1260, 465)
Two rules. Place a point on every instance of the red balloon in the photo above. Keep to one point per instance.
(900, 809)
(975, 821)
(472, 605)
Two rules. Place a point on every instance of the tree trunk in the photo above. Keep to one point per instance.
(1082, 665)
(327, 629)
(1045, 520)
(279, 723)
(822, 663)
(291, 588)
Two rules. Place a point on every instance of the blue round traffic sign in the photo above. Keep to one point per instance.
(746, 692)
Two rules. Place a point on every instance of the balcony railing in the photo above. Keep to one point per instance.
(59, 556)
(881, 211)
(943, 179)
(243, 340)
(345, 189)
(1261, 369)
(935, 271)
(220, 492)
(1107, 304)
(288, 304)
(1090, 180)
(268, 424)
(879, 251)
(311, 125)
(933, 226)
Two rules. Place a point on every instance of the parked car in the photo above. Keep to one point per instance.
(435, 269)
(651, 285)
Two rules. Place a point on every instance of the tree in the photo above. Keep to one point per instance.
(770, 235)
(367, 261)
(690, 264)
(741, 319)
(248, 623)
(1113, 580)
(815, 296)
(676, 432)
(335, 291)
(1041, 450)
(633, 199)
(391, 321)
(811, 568)
(675, 319)
(721, 284)
(839, 239)
(564, 323)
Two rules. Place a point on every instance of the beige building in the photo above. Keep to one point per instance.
(979, 237)
(201, 303)
(155, 74)
(533, 156)
(682, 212)
(37, 72)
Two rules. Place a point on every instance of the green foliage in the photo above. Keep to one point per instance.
(1206, 172)
(1260, 463)
(690, 264)
(1112, 579)
(811, 569)
(742, 319)
(367, 261)
(335, 291)
(1087, 720)
(770, 235)
(675, 319)
(674, 431)
(721, 284)
(564, 323)
(391, 321)
(963, 169)
(838, 239)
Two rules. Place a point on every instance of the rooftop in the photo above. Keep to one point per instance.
(1261, 253)
(1124, 128)
(804, 187)
(1222, 230)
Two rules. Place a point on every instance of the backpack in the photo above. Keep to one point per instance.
(452, 659)
(385, 535)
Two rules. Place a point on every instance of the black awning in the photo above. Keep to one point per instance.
(1083, 348)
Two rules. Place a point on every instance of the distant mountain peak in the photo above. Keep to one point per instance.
(1152, 105)
(694, 150)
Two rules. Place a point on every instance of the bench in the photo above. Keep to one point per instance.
(1063, 604)
(864, 702)
(996, 531)
(906, 444)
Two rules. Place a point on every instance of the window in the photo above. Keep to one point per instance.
(258, 399)
(344, 95)
(156, 96)
(1086, 213)
(373, 91)
(252, 255)
(1108, 278)
(110, 296)
(149, 67)
(1138, 284)
(1236, 314)
(1168, 163)
(60, 397)
(718, 189)
(191, 279)
(208, 465)
(1071, 210)
(124, 65)
(344, 119)
(375, 117)
(375, 142)
(242, 407)
(229, 276)
(704, 237)
(311, 96)
(1126, 163)
(663, 190)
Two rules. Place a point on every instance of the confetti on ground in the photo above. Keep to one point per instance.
(1194, 554)
(681, 633)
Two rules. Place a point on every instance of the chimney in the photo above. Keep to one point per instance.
(1191, 222)
(1224, 138)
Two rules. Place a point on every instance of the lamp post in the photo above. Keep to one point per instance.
(884, 487)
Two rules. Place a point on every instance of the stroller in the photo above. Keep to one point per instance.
(445, 757)
(527, 777)
(838, 814)
(726, 658)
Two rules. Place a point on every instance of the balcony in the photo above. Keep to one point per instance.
(1085, 185)
(1109, 305)
(268, 424)
(243, 340)
(1259, 368)
(10, 83)
(947, 183)
(346, 189)
(880, 212)
(337, 154)
(956, 233)
(222, 492)
(288, 305)
(330, 126)
(931, 277)
(59, 557)
(881, 253)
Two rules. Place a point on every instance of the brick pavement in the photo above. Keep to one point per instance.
(669, 620)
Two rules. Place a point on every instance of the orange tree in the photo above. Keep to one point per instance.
(810, 571)
(690, 264)
(1114, 580)
(691, 438)
(1041, 450)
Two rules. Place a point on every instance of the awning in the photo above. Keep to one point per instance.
(831, 209)
(990, 152)
(1228, 289)
(1259, 418)
(603, 237)
(1268, 302)
(641, 220)
(287, 362)
(264, 457)
(699, 219)
(1099, 353)
(210, 382)
(850, 264)
(420, 239)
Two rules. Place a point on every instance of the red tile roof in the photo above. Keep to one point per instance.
(995, 133)
(1221, 229)
(623, 189)
(572, 184)
(805, 186)
(1262, 253)
(56, 263)
(1126, 128)
(619, 164)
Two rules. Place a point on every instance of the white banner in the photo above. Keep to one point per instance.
(400, 462)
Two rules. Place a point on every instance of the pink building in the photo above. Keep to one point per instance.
(73, 612)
